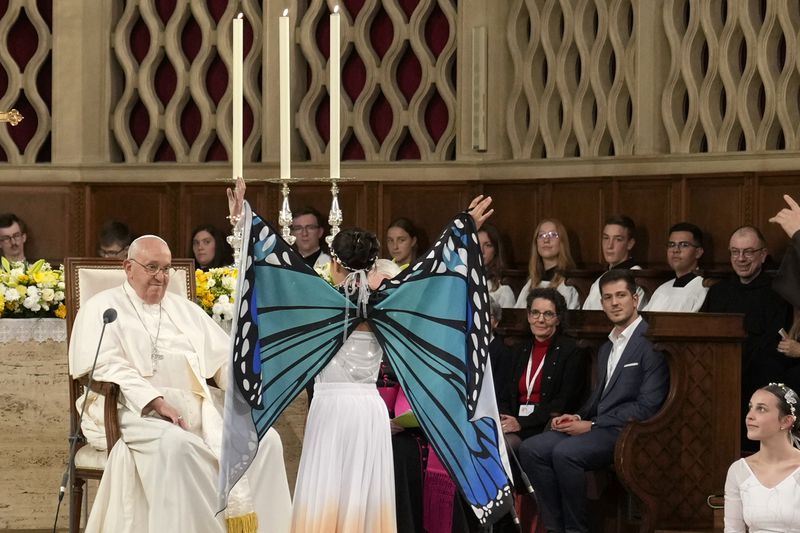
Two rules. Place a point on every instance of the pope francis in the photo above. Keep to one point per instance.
(162, 473)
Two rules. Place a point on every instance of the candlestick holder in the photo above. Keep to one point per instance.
(285, 215)
(335, 216)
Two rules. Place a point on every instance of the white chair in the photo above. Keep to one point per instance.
(85, 277)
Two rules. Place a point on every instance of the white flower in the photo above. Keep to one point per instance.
(229, 283)
(33, 292)
(48, 295)
(60, 285)
(32, 303)
(11, 295)
(211, 282)
(59, 296)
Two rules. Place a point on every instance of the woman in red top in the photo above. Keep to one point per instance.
(548, 372)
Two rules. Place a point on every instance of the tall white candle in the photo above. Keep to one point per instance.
(286, 102)
(334, 90)
(237, 62)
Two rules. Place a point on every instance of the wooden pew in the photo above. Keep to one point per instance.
(672, 462)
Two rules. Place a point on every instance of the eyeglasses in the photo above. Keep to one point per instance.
(547, 235)
(15, 237)
(154, 269)
(682, 245)
(535, 314)
(747, 253)
(304, 229)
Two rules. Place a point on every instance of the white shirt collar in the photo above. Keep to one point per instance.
(626, 333)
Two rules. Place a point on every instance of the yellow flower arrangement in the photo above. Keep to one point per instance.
(31, 291)
(216, 292)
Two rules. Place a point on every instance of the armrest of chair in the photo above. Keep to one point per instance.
(110, 412)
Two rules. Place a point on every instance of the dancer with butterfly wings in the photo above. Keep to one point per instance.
(432, 323)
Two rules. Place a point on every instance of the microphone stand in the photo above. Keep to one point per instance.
(75, 437)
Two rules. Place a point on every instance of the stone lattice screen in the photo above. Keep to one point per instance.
(398, 63)
(25, 79)
(398, 76)
(731, 81)
(734, 78)
(573, 86)
(172, 96)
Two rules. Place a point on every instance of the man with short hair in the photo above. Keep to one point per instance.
(685, 293)
(632, 383)
(162, 473)
(749, 291)
(113, 240)
(307, 229)
(12, 237)
(617, 242)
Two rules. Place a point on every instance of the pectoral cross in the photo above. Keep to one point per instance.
(155, 357)
(13, 117)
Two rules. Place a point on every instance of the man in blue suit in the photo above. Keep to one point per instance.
(632, 383)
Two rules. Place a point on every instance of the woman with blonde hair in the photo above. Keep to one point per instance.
(550, 257)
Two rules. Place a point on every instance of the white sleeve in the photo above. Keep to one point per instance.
(523, 296)
(592, 302)
(570, 294)
(734, 520)
(504, 296)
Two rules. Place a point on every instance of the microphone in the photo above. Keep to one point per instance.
(109, 316)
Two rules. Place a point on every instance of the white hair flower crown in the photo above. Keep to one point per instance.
(788, 395)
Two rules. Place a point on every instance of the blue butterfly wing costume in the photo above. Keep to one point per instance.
(432, 323)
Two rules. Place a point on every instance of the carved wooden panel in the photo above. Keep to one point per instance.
(147, 209)
(654, 205)
(200, 204)
(429, 207)
(45, 209)
(580, 206)
(718, 206)
(516, 212)
(768, 201)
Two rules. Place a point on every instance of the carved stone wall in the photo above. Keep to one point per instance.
(573, 85)
(25, 80)
(734, 76)
(173, 100)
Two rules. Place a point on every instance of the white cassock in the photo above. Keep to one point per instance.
(678, 298)
(160, 477)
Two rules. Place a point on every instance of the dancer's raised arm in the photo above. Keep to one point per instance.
(478, 210)
(236, 201)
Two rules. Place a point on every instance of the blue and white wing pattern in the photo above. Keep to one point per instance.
(434, 327)
(280, 343)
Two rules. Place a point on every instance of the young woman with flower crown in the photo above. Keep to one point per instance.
(762, 491)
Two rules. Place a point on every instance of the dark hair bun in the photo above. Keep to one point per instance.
(356, 248)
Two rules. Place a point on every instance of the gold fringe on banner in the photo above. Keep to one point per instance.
(247, 523)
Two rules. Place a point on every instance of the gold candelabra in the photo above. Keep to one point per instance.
(13, 117)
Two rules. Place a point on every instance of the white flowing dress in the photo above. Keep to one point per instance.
(346, 479)
(752, 507)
